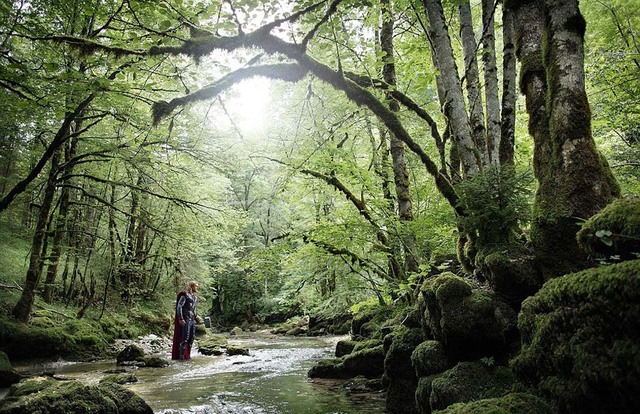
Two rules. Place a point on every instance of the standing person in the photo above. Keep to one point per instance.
(185, 322)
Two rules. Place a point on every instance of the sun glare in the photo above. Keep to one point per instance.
(249, 103)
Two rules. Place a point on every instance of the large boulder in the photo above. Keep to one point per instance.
(130, 354)
(470, 322)
(399, 345)
(367, 362)
(8, 375)
(613, 233)
(581, 340)
(514, 403)
(469, 381)
(48, 396)
(429, 358)
(212, 344)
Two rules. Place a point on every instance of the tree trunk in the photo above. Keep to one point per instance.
(508, 121)
(472, 76)
(400, 173)
(578, 182)
(454, 106)
(61, 226)
(491, 80)
(22, 310)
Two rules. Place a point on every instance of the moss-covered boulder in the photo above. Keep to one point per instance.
(423, 393)
(470, 322)
(155, 362)
(121, 379)
(366, 323)
(8, 375)
(212, 344)
(469, 381)
(71, 397)
(367, 362)
(613, 233)
(130, 353)
(514, 403)
(512, 273)
(429, 358)
(581, 340)
(368, 343)
(327, 368)
(237, 350)
(345, 347)
(399, 346)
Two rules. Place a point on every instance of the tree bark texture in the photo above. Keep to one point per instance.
(472, 77)
(491, 89)
(454, 106)
(23, 308)
(578, 182)
(399, 162)
(509, 91)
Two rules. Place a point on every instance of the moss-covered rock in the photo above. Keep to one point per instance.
(237, 350)
(8, 375)
(581, 340)
(367, 322)
(368, 343)
(613, 233)
(429, 358)
(155, 362)
(72, 397)
(423, 393)
(327, 368)
(345, 347)
(121, 379)
(130, 353)
(470, 322)
(514, 403)
(399, 345)
(513, 274)
(367, 362)
(469, 381)
(212, 344)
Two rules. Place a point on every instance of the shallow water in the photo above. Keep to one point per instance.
(271, 380)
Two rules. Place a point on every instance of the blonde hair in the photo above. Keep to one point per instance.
(191, 284)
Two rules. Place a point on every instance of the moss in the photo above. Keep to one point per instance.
(327, 368)
(423, 393)
(614, 232)
(397, 361)
(237, 350)
(429, 358)
(469, 381)
(345, 347)
(581, 340)
(514, 403)
(121, 379)
(368, 362)
(71, 397)
(369, 343)
(130, 353)
(400, 396)
(513, 274)
(459, 316)
(155, 362)
(368, 320)
(30, 386)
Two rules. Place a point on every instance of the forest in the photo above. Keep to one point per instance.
(451, 188)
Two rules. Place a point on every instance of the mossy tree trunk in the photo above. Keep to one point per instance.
(399, 162)
(574, 181)
(22, 310)
(508, 110)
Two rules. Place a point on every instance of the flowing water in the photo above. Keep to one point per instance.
(271, 380)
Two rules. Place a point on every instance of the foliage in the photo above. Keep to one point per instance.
(496, 204)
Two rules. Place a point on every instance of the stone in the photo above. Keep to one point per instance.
(131, 353)
(8, 375)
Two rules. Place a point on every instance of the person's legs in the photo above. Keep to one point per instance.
(184, 338)
(192, 331)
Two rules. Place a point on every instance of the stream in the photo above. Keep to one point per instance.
(271, 380)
